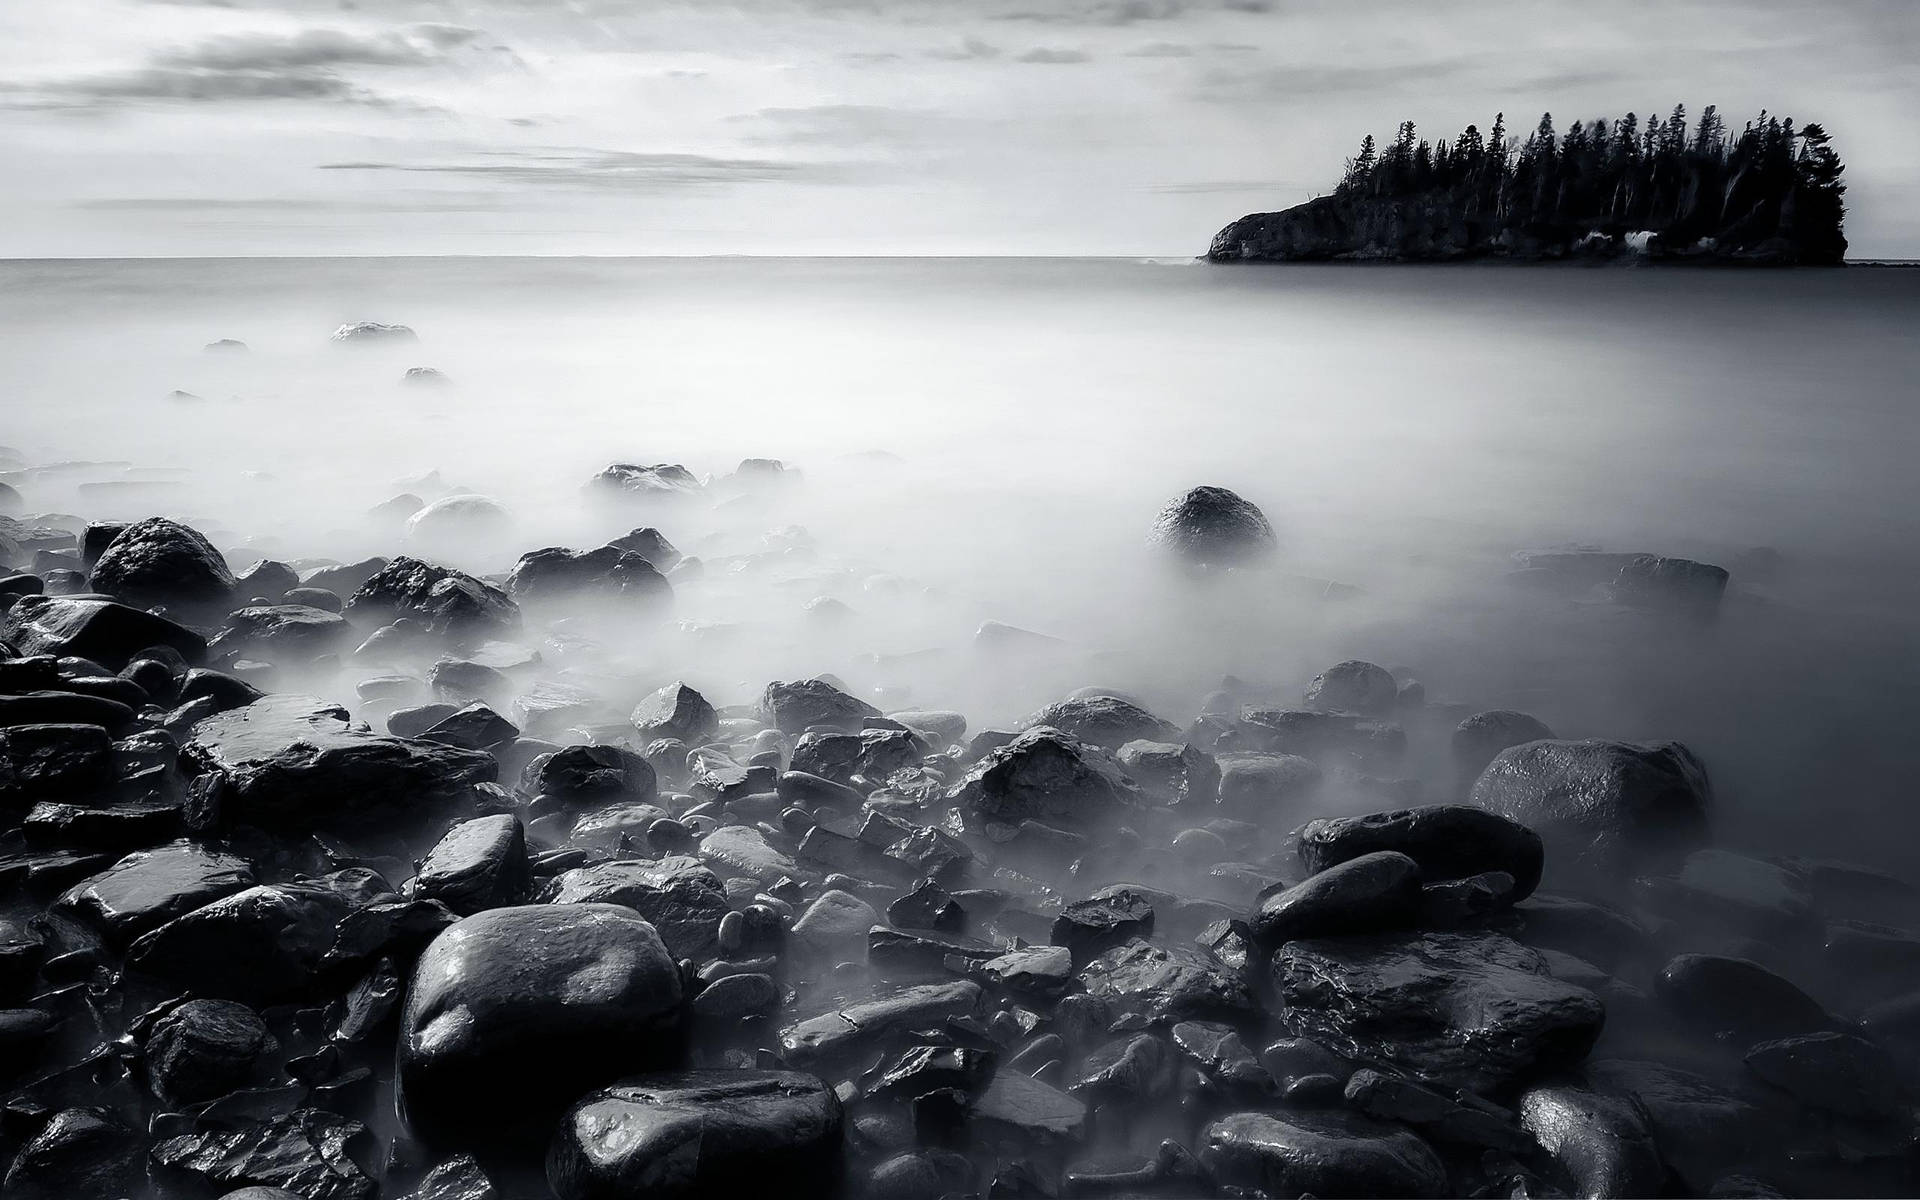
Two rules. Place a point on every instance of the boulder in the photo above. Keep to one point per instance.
(1330, 1154)
(94, 628)
(557, 576)
(582, 775)
(447, 602)
(1471, 1010)
(1484, 734)
(161, 562)
(1833, 1072)
(1448, 841)
(1168, 984)
(53, 761)
(651, 545)
(676, 711)
(632, 481)
(283, 633)
(1354, 686)
(79, 1154)
(794, 708)
(1601, 1140)
(845, 1033)
(678, 895)
(1214, 527)
(1176, 773)
(1738, 998)
(361, 333)
(1045, 775)
(203, 1049)
(260, 945)
(479, 864)
(148, 888)
(1677, 585)
(1105, 721)
(1373, 893)
(514, 1012)
(872, 754)
(1602, 808)
(699, 1134)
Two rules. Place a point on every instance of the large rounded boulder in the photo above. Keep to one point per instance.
(1211, 526)
(556, 575)
(157, 561)
(515, 1012)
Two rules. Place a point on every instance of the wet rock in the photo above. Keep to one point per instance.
(1028, 1111)
(93, 628)
(388, 928)
(1212, 526)
(1738, 997)
(475, 727)
(852, 1030)
(64, 708)
(266, 578)
(1353, 686)
(1473, 1011)
(1603, 808)
(373, 332)
(161, 562)
(1833, 1072)
(259, 945)
(702, 1133)
(480, 864)
(1045, 775)
(1043, 971)
(744, 851)
(1373, 893)
(80, 1154)
(1105, 721)
(681, 898)
(292, 763)
(53, 761)
(204, 1049)
(515, 1011)
(651, 545)
(1484, 734)
(1747, 895)
(1327, 1154)
(795, 707)
(736, 997)
(1601, 1141)
(1674, 584)
(283, 633)
(1093, 926)
(1580, 927)
(1263, 788)
(1217, 1051)
(148, 888)
(309, 1152)
(835, 926)
(927, 906)
(1703, 1132)
(1167, 984)
(662, 481)
(676, 711)
(872, 754)
(1466, 1121)
(556, 575)
(1448, 841)
(445, 601)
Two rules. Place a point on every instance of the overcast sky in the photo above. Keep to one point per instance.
(134, 127)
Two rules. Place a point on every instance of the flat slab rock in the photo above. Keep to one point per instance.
(1328, 1154)
(293, 762)
(1469, 1010)
(1166, 984)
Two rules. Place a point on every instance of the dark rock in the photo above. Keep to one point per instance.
(1176, 773)
(1373, 893)
(1211, 526)
(676, 711)
(475, 727)
(735, 997)
(53, 760)
(458, 1178)
(515, 1011)
(283, 633)
(1354, 686)
(661, 481)
(396, 928)
(480, 864)
(80, 1154)
(64, 708)
(259, 945)
(744, 851)
(1675, 584)
(1481, 736)
(93, 628)
(1261, 787)
(1468, 1121)
(148, 888)
(1448, 841)
(1702, 1131)
(445, 601)
(461, 681)
(1320, 1154)
(1168, 984)
(309, 1152)
(1217, 1051)
(204, 1049)
(1045, 775)
(1093, 926)
(162, 562)
(835, 926)
(1601, 1141)
(795, 707)
(927, 906)
(1043, 971)
(556, 575)
(1738, 997)
(267, 579)
(703, 1133)
(416, 721)
(1105, 721)
(345, 579)
(1601, 807)
(313, 597)
(224, 691)
(1474, 1011)
(1580, 927)
(872, 754)
(1833, 1072)
(898, 954)
(851, 1031)
(590, 775)
(651, 545)
(1027, 1111)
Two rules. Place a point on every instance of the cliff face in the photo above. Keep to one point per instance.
(1431, 229)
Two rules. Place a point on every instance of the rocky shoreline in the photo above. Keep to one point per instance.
(490, 932)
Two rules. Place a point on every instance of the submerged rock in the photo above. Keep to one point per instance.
(1212, 526)
(1676, 584)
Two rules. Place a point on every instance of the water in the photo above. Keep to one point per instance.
(1406, 428)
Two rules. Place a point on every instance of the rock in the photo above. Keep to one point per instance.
(631, 481)
(80, 1154)
(162, 562)
(1675, 584)
(372, 332)
(927, 906)
(848, 1032)
(259, 945)
(345, 579)
(1702, 1131)
(203, 1049)
(1373, 893)
(266, 578)
(1043, 971)
(1093, 926)
(1027, 1111)
(309, 1152)
(1105, 721)
(835, 926)
(1579, 927)
(284, 633)
(744, 851)
(1354, 686)
(1476, 1011)
(1211, 526)
(1165, 985)
(651, 545)
(556, 575)
(514, 1012)
(396, 928)
(1217, 1051)
(1329, 1154)
(55, 761)
(676, 711)
(63, 708)
(475, 727)
(93, 628)
(700, 1133)
(681, 898)
(1833, 1072)
(793, 708)
(1045, 775)
(1258, 787)
(447, 602)
(1174, 772)
(1603, 808)
(424, 377)
(1481, 736)
(291, 763)
(1441, 1118)
(734, 998)
(480, 864)
(1739, 997)
(1601, 1141)
(872, 754)
(148, 888)
(1448, 841)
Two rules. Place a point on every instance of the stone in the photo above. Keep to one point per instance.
(676, 711)
(1602, 1141)
(871, 754)
(479, 864)
(458, 1178)
(1373, 893)
(290, 634)
(79, 1154)
(93, 628)
(1217, 1051)
(795, 707)
(1447, 841)
(148, 888)
(309, 1152)
(1354, 686)
(1476, 1011)
(1214, 527)
(162, 562)
(1602, 808)
(582, 775)
(1327, 1154)
(733, 998)
(475, 727)
(699, 1134)
(1739, 997)
(927, 906)
(465, 520)
(1093, 926)
(847, 1032)
(1484, 734)
(1677, 585)
(1105, 721)
(835, 926)
(556, 575)
(1049, 776)
(1748, 895)
(260, 945)
(1027, 1111)
(683, 900)
(1834, 1072)
(651, 545)
(64, 708)
(1441, 1118)
(266, 578)
(1702, 1131)
(1173, 772)
(203, 1049)
(1168, 984)
(373, 333)
(446, 602)
(58, 761)
(632, 481)
(1259, 787)
(744, 851)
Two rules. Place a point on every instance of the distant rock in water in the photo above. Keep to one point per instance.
(372, 331)
(226, 346)
(1211, 526)
(660, 481)
(425, 377)
(459, 519)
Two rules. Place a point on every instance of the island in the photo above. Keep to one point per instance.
(1769, 195)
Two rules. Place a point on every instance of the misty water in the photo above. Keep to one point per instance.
(990, 440)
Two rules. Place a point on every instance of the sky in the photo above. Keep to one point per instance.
(1095, 127)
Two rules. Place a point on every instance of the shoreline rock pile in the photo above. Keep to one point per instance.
(527, 938)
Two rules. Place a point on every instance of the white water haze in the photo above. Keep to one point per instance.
(990, 440)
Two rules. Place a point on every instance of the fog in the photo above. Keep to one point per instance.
(989, 440)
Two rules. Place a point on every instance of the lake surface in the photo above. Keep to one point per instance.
(990, 439)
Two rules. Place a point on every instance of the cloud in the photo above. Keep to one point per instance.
(310, 48)
(616, 169)
(191, 87)
(844, 125)
(1052, 55)
(1242, 86)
